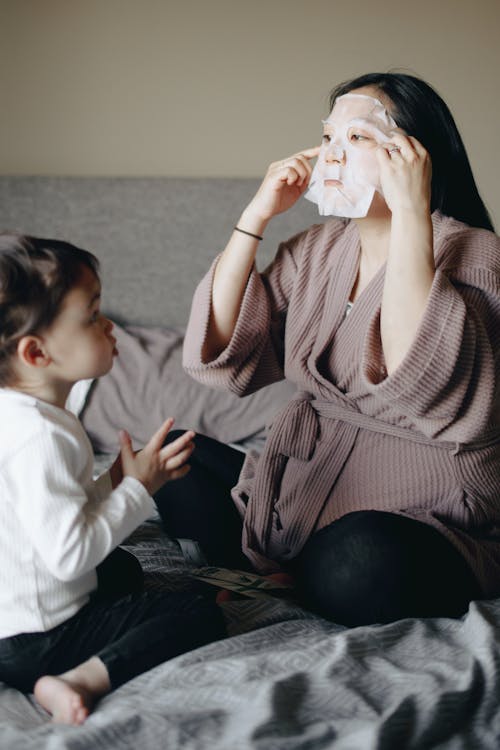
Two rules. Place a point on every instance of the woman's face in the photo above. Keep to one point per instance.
(346, 175)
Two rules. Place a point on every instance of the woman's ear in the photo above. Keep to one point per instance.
(32, 353)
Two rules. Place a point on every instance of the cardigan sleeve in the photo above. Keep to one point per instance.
(448, 383)
(254, 357)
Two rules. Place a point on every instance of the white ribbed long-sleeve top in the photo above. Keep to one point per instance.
(56, 522)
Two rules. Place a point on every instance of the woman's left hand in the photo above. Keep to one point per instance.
(405, 173)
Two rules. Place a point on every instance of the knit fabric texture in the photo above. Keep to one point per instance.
(423, 441)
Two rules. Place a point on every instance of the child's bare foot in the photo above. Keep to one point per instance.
(68, 703)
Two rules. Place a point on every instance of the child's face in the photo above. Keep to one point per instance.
(79, 341)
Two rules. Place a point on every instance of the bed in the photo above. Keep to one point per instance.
(284, 678)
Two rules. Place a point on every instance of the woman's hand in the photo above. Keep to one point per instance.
(156, 464)
(405, 174)
(285, 181)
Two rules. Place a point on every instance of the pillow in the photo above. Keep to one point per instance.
(147, 384)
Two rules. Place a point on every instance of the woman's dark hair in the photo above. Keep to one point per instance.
(35, 275)
(421, 112)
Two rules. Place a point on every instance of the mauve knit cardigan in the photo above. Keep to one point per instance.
(423, 441)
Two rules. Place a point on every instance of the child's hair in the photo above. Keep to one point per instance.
(35, 275)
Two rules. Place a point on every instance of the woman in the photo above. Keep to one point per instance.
(379, 485)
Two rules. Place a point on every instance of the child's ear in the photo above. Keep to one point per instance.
(31, 351)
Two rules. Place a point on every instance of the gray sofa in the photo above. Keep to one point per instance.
(285, 679)
(155, 237)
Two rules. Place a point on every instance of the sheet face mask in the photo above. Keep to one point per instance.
(346, 175)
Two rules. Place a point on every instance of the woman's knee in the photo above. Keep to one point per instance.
(372, 566)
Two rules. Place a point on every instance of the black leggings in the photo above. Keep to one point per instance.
(200, 507)
(130, 635)
(371, 566)
(367, 567)
(131, 630)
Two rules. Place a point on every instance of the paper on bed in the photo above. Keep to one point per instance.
(242, 582)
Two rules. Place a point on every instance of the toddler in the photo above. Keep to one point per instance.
(57, 525)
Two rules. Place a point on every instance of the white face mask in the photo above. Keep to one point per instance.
(346, 175)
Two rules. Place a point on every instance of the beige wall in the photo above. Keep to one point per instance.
(222, 87)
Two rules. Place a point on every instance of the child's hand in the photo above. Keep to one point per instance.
(154, 465)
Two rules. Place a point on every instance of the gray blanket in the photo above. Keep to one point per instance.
(288, 680)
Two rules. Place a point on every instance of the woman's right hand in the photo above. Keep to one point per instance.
(284, 183)
(157, 463)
